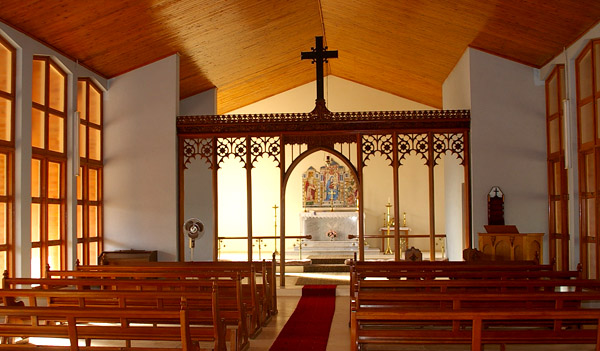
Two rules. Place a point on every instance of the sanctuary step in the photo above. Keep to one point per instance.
(326, 265)
(334, 248)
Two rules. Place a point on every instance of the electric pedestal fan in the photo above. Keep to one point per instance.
(193, 228)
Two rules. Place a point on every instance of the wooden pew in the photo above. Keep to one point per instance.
(256, 300)
(449, 271)
(379, 269)
(68, 292)
(265, 269)
(74, 322)
(386, 295)
(71, 329)
(365, 329)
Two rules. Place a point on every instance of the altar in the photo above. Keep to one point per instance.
(338, 224)
(329, 231)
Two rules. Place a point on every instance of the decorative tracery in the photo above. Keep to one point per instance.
(412, 143)
(447, 142)
(269, 146)
(235, 147)
(372, 144)
(193, 148)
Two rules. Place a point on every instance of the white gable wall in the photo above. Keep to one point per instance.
(140, 157)
(340, 95)
(204, 103)
(508, 142)
(456, 95)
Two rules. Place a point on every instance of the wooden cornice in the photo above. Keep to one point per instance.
(323, 123)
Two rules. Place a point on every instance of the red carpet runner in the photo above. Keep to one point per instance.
(308, 327)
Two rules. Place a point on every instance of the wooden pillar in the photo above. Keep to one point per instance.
(395, 165)
(181, 210)
(468, 242)
(249, 195)
(431, 164)
(215, 195)
(282, 229)
(361, 202)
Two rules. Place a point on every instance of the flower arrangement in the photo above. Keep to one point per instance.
(332, 234)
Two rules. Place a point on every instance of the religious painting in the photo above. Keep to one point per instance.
(331, 186)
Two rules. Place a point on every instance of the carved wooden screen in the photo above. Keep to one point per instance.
(395, 134)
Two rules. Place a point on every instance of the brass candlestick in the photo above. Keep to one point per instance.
(219, 249)
(275, 208)
(259, 243)
(299, 243)
(388, 250)
(404, 219)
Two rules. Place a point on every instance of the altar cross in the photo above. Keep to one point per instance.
(319, 55)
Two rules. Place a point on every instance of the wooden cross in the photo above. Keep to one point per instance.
(319, 55)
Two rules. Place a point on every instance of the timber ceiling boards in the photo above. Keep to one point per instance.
(250, 49)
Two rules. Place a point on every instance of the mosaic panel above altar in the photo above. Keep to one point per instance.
(331, 186)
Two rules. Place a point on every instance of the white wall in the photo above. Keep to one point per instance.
(456, 89)
(204, 103)
(340, 95)
(140, 160)
(456, 94)
(508, 143)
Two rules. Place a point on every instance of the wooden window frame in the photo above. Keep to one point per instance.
(589, 148)
(87, 164)
(45, 155)
(7, 147)
(560, 197)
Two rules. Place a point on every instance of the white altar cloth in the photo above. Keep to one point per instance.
(318, 223)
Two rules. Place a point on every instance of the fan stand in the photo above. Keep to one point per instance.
(192, 245)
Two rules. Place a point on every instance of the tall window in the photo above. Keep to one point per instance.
(48, 140)
(587, 68)
(558, 196)
(89, 182)
(7, 147)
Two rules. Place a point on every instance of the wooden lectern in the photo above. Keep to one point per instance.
(505, 243)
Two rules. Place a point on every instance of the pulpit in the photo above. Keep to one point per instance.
(505, 243)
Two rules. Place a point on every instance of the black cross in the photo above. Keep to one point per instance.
(319, 54)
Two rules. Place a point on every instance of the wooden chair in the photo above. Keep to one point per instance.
(413, 254)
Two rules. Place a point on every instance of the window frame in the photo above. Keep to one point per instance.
(83, 182)
(7, 147)
(47, 156)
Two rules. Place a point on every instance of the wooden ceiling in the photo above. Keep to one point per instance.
(250, 49)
